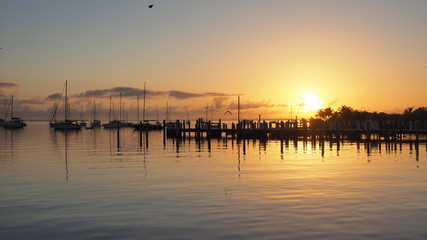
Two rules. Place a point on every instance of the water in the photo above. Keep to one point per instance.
(82, 185)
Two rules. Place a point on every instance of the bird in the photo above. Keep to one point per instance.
(150, 6)
(228, 113)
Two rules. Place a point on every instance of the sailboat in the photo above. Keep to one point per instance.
(116, 123)
(111, 123)
(82, 121)
(94, 123)
(66, 124)
(14, 122)
(146, 124)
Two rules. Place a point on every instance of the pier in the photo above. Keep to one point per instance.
(295, 129)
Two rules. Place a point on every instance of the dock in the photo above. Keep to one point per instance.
(295, 129)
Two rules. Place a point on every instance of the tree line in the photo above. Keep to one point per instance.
(346, 113)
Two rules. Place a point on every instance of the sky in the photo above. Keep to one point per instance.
(283, 58)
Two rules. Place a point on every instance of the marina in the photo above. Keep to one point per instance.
(278, 120)
(86, 184)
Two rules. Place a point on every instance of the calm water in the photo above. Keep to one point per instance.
(82, 185)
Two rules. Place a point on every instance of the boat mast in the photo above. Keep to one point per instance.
(238, 109)
(94, 109)
(137, 109)
(167, 111)
(212, 110)
(109, 112)
(66, 100)
(120, 107)
(206, 112)
(143, 107)
(56, 105)
(11, 109)
(124, 114)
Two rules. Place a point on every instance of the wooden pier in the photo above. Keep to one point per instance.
(288, 130)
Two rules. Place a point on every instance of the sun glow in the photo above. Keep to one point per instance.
(311, 102)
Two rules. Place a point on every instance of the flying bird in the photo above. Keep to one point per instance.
(227, 112)
(150, 6)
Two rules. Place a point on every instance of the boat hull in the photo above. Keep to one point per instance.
(15, 123)
(147, 126)
(66, 125)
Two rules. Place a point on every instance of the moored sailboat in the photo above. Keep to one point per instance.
(111, 123)
(94, 123)
(145, 125)
(14, 122)
(67, 124)
(82, 121)
(116, 123)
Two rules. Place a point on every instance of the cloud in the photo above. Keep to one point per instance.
(134, 92)
(33, 101)
(8, 85)
(106, 93)
(183, 95)
(186, 95)
(54, 96)
(253, 105)
(219, 101)
(282, 105)
(5, 87)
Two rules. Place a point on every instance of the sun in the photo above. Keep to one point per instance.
(311, 102)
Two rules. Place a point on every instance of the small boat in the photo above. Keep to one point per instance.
(67, 124)
(116, 123)
(147, 125)
(94, 123)
(14, 122)
(82, 122)
(112, 124)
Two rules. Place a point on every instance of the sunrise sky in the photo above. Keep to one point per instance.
(279, 56)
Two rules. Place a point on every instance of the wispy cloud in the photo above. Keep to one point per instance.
(53, 96)
(219, 102)
(8, 85)
(134, 92)
(187, 95)
(183, 95)
(105, 93)
(32, 101)
(253, 105)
